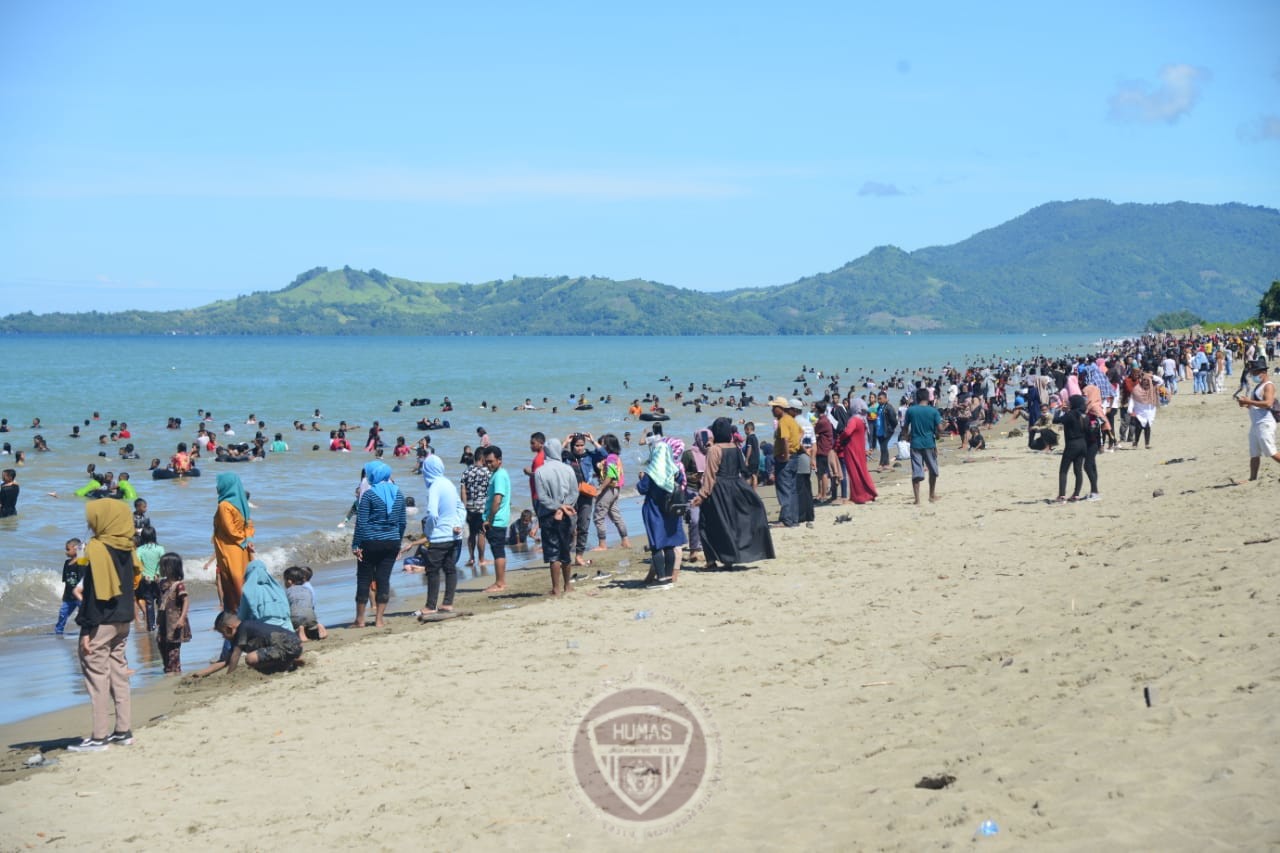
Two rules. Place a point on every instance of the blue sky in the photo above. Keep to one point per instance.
(163, 155)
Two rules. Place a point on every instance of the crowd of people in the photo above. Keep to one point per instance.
(700, 501)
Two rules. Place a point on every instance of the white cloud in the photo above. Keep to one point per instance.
(1262, 129)
(1174, 96)
(876, 188)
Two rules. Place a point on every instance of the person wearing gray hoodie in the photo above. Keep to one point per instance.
(443, 518)
(557, 490)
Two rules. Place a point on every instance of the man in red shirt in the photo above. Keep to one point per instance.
(825, 436)
(536, 442)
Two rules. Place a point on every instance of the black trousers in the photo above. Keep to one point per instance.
(379, 560)
(1073, 455)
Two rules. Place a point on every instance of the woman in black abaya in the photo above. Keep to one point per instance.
(735, 527)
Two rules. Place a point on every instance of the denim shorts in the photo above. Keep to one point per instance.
(922, 458)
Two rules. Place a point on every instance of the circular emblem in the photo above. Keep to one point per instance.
(644, 756)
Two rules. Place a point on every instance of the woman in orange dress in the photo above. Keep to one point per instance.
(232, 539)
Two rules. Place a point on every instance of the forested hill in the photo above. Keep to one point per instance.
(1062, 266)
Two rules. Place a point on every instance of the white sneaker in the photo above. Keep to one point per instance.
(89, 744)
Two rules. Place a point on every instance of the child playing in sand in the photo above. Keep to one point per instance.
(266, 648)
(174, 623)
(415, 563)
(302, 603)
(524, 529)
(72, 573)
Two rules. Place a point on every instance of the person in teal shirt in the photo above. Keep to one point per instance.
(923, 423)
(497, 515)
(278, 446)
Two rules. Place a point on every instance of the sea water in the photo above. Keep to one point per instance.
(300, 496)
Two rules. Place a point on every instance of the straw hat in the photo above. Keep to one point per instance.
(780, 402)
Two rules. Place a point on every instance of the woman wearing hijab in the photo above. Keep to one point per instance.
(1074, 445)
(851, 445)
(104, 619)
(1098, 393)
(263, 598)
(735, 526)
(1143, 402)
(694, 461)
(443, 520)
(380, 522)
(1096, 428)
(232, 539)
(662, 475)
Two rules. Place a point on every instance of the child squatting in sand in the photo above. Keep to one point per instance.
(302, 603)
(266, 648)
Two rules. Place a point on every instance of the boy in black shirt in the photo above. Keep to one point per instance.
(140, 517)
(72, 574)
(266, 648)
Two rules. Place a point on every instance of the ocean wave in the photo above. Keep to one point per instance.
(317, 548)
(28, 598)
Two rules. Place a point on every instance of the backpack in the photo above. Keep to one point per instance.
(841, 416)
(1275, 403)
(1093, 429)
(890, 416)
(677, 502)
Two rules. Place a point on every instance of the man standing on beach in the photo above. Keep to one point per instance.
(497, 515)
(537, 442)
(1262, 429)
(751, 449)
(786, 459)
(474, 493)
(825, 442)
(557, 493)
(923, 426)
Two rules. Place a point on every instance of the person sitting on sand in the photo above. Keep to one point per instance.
(262, 598)
(415, 563)
(524, 529)
(302, 604)
(1040, 437)
(266, 648)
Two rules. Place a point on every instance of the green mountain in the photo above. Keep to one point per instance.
(1064, 266)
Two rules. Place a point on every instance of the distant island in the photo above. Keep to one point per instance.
(1063, 266)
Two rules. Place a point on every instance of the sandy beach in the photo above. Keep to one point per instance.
(992, 637)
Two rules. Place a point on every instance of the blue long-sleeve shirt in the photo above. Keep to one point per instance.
(373, 522)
